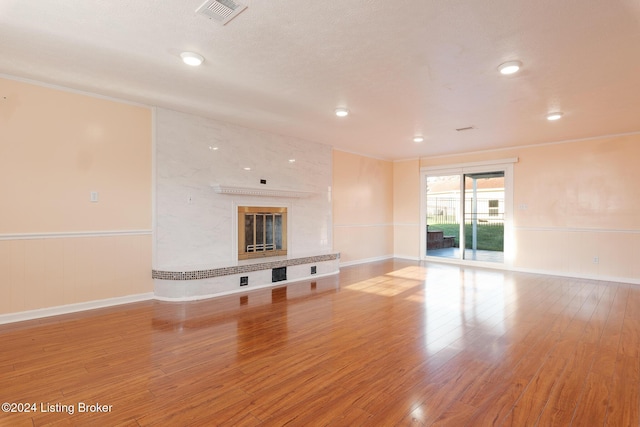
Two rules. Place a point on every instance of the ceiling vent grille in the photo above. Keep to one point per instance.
(220, 11)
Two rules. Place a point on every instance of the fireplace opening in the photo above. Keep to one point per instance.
(262, 232)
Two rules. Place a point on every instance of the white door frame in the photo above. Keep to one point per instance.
(505, 165)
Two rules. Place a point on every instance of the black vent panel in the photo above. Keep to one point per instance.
(278, 274)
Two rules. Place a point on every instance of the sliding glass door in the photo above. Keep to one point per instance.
(465, 211)
(484, 216)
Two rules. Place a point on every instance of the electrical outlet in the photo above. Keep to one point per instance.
(313, 269)
(244, 280)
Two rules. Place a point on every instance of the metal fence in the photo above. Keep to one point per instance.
(445, 210)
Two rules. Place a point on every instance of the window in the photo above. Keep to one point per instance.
(494, 206)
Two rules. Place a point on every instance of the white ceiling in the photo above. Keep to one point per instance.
(402, 67)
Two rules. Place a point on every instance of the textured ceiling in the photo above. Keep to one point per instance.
(402, 67)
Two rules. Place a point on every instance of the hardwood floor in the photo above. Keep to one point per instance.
(382, 344)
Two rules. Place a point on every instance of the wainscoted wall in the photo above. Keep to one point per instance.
(363, 208)
(577, 206)
(195, 227)
(56, 246)
(56, 271)
(406, 209)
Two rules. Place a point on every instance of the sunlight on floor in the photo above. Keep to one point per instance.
(384, 288)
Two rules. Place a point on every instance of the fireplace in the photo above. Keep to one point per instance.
(262, 231)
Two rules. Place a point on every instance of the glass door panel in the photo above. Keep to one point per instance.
(484, 202)
(444, 216)
(249, 238)
(269, 244)
(278, 226)
(260, 232)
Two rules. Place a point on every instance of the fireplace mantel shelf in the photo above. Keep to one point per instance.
(264, 192)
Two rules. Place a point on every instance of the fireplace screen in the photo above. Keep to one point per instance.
(262, 232)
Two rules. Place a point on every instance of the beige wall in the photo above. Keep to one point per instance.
(574, 202)
(59, 146)
(56, 247)
(406, 209)
(362, 194)
(51, 272)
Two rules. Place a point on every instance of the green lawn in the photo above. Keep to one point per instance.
(490, 237)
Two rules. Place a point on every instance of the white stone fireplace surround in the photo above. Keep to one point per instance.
(201, 178)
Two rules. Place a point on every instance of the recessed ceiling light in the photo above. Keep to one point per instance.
(342, 112)
(247, 169)
(212, 148)
(418, 138)
(510, 67)
(292, 160)
(192, 58)
(556, 115)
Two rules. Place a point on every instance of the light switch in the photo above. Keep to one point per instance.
(94, 197)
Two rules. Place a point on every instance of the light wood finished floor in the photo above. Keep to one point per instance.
(383, 344)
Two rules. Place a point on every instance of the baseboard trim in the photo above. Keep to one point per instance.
(616, 279)
(407, 257)
(499, 266)
(72, 308)
(366, 260)
(109, 302)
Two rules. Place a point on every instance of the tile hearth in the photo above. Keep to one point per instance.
(239, 269)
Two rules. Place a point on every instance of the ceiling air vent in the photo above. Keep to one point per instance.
(466, 128)
(220, 11)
